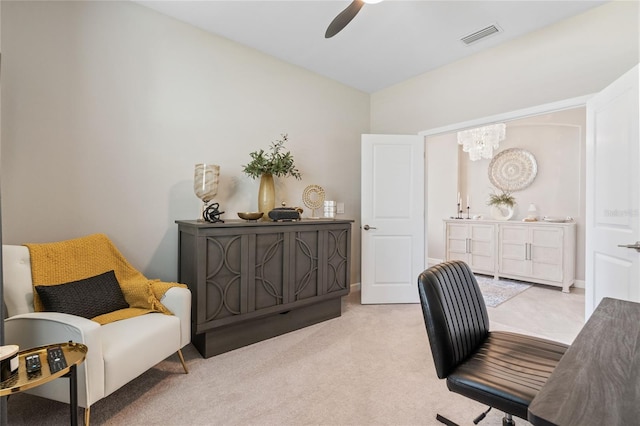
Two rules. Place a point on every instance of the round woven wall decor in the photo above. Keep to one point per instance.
(513, 169)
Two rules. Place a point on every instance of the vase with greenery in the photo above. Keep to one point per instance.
(265, 165)
(502, 205)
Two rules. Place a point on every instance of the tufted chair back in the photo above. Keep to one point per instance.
(454, 313)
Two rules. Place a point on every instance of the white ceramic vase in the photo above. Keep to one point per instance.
(502, 212)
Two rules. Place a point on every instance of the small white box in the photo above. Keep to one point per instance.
(330, 209)
(9, 361)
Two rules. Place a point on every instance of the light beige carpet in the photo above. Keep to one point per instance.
(372, 366)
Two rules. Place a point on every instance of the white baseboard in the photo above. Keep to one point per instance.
(433, 261)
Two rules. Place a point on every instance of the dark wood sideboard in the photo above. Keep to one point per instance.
(251, 281)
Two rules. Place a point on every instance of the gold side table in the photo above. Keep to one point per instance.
(74, 354)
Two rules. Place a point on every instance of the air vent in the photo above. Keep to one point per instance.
(479, 35)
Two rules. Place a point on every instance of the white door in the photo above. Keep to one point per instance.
(613, 193)
(392, 218)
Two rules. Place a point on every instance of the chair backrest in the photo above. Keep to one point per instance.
(454, 313)
(18, 287)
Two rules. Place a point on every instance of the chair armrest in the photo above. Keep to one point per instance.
(44, 328)
(178, 301)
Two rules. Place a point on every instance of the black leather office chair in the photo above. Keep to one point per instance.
(500, 369)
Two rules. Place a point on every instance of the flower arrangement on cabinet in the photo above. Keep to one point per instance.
(503, 199)
(276, 162)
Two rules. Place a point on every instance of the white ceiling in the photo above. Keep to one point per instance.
(385, 43)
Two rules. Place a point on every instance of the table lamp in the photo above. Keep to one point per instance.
(205, 186)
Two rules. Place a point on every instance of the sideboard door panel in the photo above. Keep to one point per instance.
(481, 248)
(337, 260)
(305, 283)
(472, 243)
(513, 250)
(547, 253)
(269, 284)
(457, 245)
(222, 281)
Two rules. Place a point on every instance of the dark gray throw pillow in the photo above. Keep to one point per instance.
(86, 298)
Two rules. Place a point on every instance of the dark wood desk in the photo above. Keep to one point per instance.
(597, 381)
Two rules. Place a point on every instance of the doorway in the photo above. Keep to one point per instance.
(554, 133)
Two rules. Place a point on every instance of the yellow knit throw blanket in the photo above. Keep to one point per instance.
(85, 257)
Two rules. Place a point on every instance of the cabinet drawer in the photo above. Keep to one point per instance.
(514, 266)
(482, 232)
(515, 234)
(547, 271)
(482, 262)
(513, 250)
(458, 246)
(546, 237)
(457, 231)
(548, 255)
(457, 256)
(484, 248)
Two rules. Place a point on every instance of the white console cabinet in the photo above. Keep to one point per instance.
(473, 243)
(539, 252)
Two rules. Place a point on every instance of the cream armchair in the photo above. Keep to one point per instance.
(118, 352)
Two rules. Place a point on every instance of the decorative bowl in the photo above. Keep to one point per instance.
(558, 219)
(250, 215)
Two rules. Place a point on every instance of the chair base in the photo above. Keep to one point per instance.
(481, 416)
(507, 420)
(445, 420)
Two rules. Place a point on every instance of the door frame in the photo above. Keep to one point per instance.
(510, 116)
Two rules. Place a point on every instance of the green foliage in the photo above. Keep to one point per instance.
(275, 162)
(505, 199)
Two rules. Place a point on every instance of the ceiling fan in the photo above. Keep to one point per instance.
(344, 17)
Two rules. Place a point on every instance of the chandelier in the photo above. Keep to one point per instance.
(480, 142)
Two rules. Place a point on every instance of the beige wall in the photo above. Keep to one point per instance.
(443, 183)
(575, 57)
(107, 106)
(557, 142)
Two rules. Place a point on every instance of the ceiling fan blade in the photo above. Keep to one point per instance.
(343, 18)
